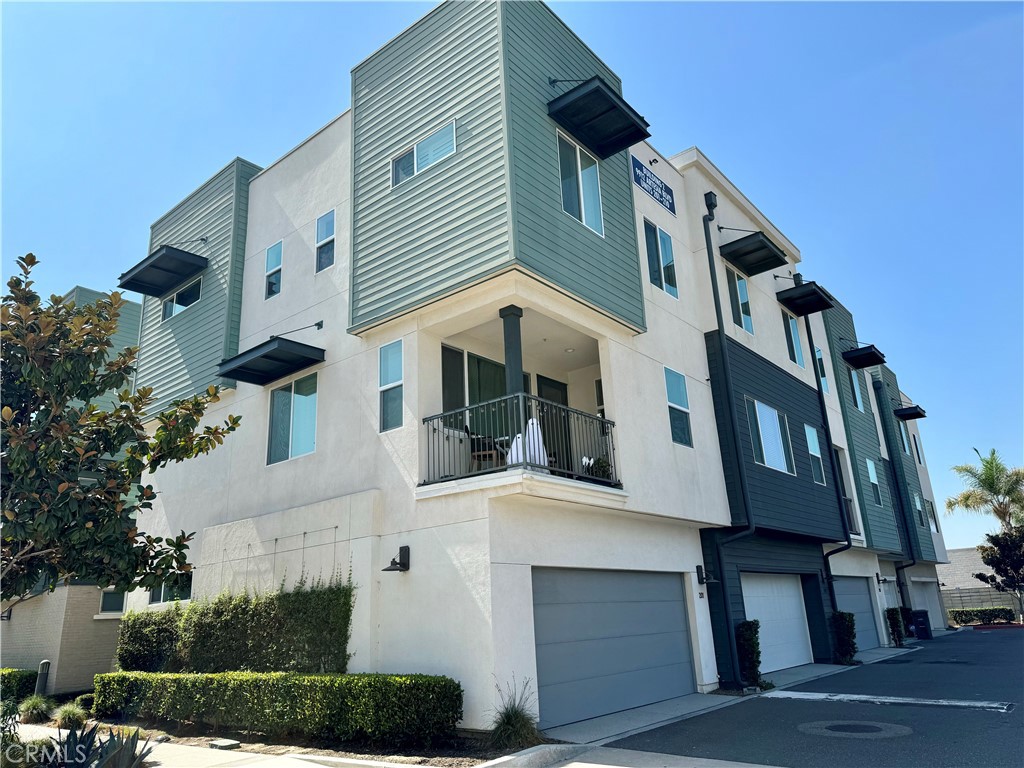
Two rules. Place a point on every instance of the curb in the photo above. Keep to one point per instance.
(539, 757)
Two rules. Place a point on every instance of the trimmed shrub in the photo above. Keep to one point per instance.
(17, 684)
(964, 616)
(85, 701)
(392, 710)
(894, 620)
(844, 632)
(70, 716)
(748, 647)
(147, 640)
(35, 709)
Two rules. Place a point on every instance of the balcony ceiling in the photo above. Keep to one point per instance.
(544, 344)
(164, 269)
(596, 115)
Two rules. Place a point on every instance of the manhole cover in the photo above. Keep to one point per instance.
(854, 729)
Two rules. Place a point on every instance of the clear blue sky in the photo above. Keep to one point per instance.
(884, 139)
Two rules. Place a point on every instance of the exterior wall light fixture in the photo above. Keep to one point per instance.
(704, 577)
(400, 563)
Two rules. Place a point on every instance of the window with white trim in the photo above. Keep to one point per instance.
(858, 400)
(904, 437)
(876, 490)
(796, 352)
(660, 261)
(919, 508)
(739, 299)
(424, 153)
(390, 386)
(819, 363)
(325, 241)
(580, 181)
(814, 448)
(275, 254)
(292, 420)
(933, 520)
(917, 449)
(769, 435)
(167, 594)
(111, 601)
(678, 408)
(182, 299)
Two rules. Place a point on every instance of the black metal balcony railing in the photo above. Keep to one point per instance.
(851, 516)
(520, 431)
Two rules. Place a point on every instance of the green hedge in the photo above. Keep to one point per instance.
(748, 648)
(964, 616)
(147, 641)
(844, 631)
(17, 684)
(894, 621)
(391, 710)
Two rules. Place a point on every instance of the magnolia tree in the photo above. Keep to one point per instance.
(1004, 554)
(72, 471)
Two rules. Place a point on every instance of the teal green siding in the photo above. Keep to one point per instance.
(604, 271)
(178, 357)
(863, 441)
(447, 226)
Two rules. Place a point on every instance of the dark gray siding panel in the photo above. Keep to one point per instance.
(603, 271)
(880, 529)
(447, 226)
(726, 439)
(780, 501)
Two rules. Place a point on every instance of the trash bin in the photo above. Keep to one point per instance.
(922, 625)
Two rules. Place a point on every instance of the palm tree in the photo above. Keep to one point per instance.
(992, 489)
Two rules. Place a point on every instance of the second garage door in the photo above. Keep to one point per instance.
(776, 600)
(608, 641)
(926, 597)
(853, 595)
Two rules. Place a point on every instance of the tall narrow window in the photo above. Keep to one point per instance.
(391, 386)
(273, 270)
(660, 260)
(678, 408)
(876, 490)
(292, 420)
(917, 449)
(796, 352)
(182, 299)
(819, 363)
(919, 508)
(325, 241)
(933, 521)
(599, 397)
(814, 448)
(423, 154)
(581, 184)
(904, 437)
(858, 401)
(769, 435)
(739, 299)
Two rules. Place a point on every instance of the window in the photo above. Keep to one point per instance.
(769, 434)
(876, 490)
(814, 448)
(184, 298)
(917, 450)
(423, 154)
(933, 521)
(111, 601)
(325, 241)
(166, 594)
(678, 408)
(919, 508)
(858, 401)
(599, 397)
(391, 386)
(739, 298)
(581, 184)
(796, 352)
(904, 437)
(660, 261)
(273, 270)
(292, 420)
(819, 362)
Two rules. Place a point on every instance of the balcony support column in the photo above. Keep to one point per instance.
(510, 317)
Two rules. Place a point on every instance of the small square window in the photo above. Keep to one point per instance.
(423, 154)
(111, 602)
(184, 298)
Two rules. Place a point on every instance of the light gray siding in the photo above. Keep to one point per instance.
(179, 357)
(604, 271)
(447, 226)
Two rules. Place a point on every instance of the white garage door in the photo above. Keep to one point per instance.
(777, 601)
(608, 641)
(926, 596)
(853, 595)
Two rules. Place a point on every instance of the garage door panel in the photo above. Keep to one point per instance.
(587, 621)
(562, 662)
(582, 586)
(853, 595)
(583, 699)
(777, 602)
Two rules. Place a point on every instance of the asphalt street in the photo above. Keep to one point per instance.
(969, 666)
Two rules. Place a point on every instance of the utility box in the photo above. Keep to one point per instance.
(922, 625)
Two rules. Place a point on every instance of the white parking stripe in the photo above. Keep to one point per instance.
(854, 698)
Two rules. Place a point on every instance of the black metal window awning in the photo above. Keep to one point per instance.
(753, 254)
(909, 413)
(600, 118)
(166, 268)
(805, 299)
(270, 361)
(864, 357)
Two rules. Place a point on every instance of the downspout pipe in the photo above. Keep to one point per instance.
(882, 396)
(798, 279)
(711, 202)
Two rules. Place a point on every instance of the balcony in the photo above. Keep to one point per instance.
(490, 438)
